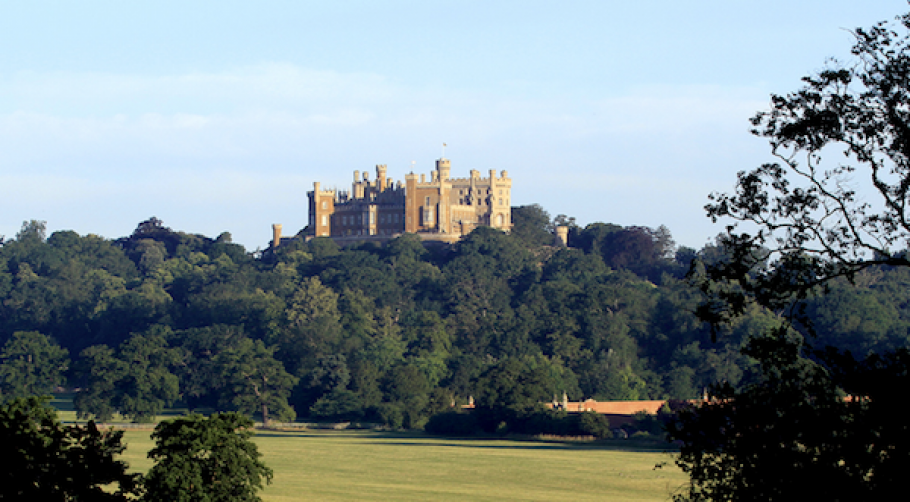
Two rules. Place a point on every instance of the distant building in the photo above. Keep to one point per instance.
(439, 208)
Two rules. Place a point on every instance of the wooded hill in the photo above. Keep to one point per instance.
(387, 333)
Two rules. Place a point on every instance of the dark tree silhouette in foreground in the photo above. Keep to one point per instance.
(42, 459)
(817, 423)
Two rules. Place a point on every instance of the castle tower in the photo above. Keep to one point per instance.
(322, 207)
(411, 209)
(276, 235)
(381, 170)
(444, 167)
(562, 236)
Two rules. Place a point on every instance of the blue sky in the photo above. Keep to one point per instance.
(219, 116)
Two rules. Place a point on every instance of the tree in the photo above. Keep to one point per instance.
(31, 364)
(641, 250)
(819, 221)
(45, 460)
(99, 369)
(256, 381)
(200, 377)
(814, 423)
(530, 225)
(136, 380)
(32, 231)
(794, 435)
(205, 459)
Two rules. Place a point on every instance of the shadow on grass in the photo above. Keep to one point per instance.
(395, 438)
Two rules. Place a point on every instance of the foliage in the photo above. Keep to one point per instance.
(256, 381)
(135, 381)
(817, 423)
(595, 424)
(31, 365)
(205, 459)
(453, 423)
(530, 225)
(392, 333)
(339, 405)
(794, 434)
(815, 221)
(45, 460)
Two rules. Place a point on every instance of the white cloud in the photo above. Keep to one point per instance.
(237, 145)
(266, 85)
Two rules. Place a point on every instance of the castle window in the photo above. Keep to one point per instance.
(325, 220)
(500, 202)
(325, 205)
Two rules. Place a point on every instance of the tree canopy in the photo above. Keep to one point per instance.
(816, 421)
(31, 365)
(814, 217)
(205, 459)
(45, 460)
(391, 333)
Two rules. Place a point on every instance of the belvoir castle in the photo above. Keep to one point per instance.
(439, 208)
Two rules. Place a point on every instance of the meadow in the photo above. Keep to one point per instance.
(368, 465)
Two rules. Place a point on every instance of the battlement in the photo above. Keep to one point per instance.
(441, 208)
(478, 180)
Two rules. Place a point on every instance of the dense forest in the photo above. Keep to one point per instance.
(390, 333)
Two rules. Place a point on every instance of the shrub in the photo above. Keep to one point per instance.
(453, 423)
(338, 406)
(595, 424)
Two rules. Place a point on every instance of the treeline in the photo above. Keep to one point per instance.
(391, 333)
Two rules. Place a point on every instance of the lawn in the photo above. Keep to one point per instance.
(365, 465)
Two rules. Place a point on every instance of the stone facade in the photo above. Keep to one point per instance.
(439, 208)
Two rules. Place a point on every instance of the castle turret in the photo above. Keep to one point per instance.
(443, 167)
(381, 170)
(411, 212)
(562, 235)
(322, 206)
(276, 235)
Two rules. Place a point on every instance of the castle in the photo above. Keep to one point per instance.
(439, 208)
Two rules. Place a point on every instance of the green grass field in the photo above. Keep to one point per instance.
(365, 465)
